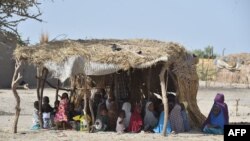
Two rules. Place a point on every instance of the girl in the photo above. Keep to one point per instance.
(150, 120)
(136, 123)
(36, 124)
(61, 114)
(217, 117)
(120, 124)
(159, 127)
(127, 108)
(176, 120)
(47, 111)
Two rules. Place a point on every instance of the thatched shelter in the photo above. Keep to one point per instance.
(146, 67)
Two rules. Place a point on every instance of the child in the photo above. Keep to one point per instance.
(101, 124)
(36, 124)
(184, 115)
(56, 105)
(61, 114)
(120, 124)
(47, 110)
(159, 127)
(150, 120)
(112, 114)
(217, 117)
(127, 108)
(175, 118)
(135, 124)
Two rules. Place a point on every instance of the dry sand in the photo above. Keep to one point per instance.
(205, 101)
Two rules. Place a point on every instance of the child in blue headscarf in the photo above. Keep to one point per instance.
(159, 127)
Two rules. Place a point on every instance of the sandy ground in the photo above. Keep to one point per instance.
(205, 101)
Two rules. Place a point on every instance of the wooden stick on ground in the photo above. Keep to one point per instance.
(16, 77)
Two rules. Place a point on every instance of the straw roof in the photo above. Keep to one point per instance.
(124, 53)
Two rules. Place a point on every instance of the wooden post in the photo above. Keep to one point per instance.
(38, 82)
(43, 79)
(16, 77)
(91, 110)
(164, 97)
(57, 89)
(85, 95)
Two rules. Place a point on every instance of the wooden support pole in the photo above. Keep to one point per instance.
(164, 97)
(91, 110)
(38, 82)
(44, 76)
(57, 89)
(85, 95)
(16, 77)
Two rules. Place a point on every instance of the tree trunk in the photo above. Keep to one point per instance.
(16, 77)
(164, 97)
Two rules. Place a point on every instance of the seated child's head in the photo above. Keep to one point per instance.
(104, 112)
(122, 114)
(216, 110)
(65, 96)
(36, 105)
(46, 99)
(151, 107)
(138, 108)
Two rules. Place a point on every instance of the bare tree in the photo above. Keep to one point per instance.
(16, 77)
(12, 12)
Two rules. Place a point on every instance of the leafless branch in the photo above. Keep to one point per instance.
(12, 12)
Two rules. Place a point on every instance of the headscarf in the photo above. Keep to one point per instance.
(159, 127)
(218, 101)
(176, 119)
(127, 108)
(135, 124)
(149, 119)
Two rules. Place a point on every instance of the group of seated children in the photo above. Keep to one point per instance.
(127, 119)
(136, 120)
(51, 116)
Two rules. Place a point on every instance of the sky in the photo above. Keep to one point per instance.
(223, 24)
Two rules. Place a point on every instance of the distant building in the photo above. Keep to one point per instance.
(7, 64)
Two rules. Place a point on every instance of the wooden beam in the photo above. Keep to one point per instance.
(164, 97)
(54, 87)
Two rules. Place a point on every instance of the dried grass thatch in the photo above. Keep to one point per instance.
(131, 53)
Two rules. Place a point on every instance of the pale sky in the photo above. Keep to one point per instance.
(193, 23)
